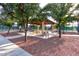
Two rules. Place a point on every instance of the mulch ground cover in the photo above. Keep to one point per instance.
(66, 46)
(10, 34)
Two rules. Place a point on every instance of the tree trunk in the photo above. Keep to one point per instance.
(8, 30)
(26, 29)
(59, 33)
(59, 28)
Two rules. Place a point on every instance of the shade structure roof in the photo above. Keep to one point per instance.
(40, 22)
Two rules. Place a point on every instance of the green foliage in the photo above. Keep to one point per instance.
(26, 11)
(8, 22)
(31, 11)
(58, 10)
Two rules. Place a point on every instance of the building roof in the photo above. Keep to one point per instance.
(40, 22)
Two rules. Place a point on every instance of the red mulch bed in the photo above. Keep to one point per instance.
(10, 34)
(66, 46)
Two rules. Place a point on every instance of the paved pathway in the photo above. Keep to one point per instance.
(12, 37)
(7, 48)
(44, 36)
(70, 35)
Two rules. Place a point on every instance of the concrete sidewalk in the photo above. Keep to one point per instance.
(13, 37)
(7, 48)
(70, 35)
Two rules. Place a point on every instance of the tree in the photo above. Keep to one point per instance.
(8, 23)
(25, 12)
(7, 15)
(76, 17)
(58, 12)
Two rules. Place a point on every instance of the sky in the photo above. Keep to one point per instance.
(39, 1)
(42, 5)
(0, 9)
